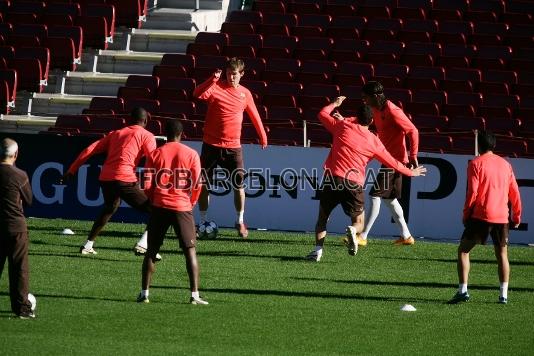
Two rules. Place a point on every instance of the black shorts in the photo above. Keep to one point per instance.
(131, 193)
(388, 184)
(229, 159)
(478, 230)
(182, 222)
(348, 194)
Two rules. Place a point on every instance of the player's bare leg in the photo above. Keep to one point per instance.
(191, 263)
(355, 229)
(147, 270)
(239, 204)
(320, 235)
(102, 219)
(463, 266)
(501, 253)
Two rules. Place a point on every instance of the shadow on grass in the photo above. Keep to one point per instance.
(240, 254)
(262, 241)
(77, 255)
(411, 284)
(454, 260)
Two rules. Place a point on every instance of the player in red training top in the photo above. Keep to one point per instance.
(393, 128)
(227, 100)
(118, 180)
(352, 148)
(491, 186)
(173, 187)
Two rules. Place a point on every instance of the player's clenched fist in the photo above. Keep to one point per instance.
(217, 74)
(339, 100)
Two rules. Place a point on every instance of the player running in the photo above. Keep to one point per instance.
(118, 180)
(227, 100)
(352, 148)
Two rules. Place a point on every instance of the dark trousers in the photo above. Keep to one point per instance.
(14, 248)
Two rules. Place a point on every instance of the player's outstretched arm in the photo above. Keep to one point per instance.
(252, 112)
(96, 147)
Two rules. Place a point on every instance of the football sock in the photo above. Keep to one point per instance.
(240, 217)
(462, 288)
(203, 216)
(398, 216)
(318, 248)
(195, 295)
(88, 244)
(143, 241)
(504, 290)
(373, 214)
(144, 293)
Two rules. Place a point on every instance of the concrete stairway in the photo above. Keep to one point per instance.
(169, 27)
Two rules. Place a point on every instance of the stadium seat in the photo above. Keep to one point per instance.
(104, 103)
(457, 86)
(455, 110)
(509, 101)
(143, 81)
(149, 105)
(392, 70)
(428, 123)
(178, 59)
(493, 88)
(494, 111)
(72, 32)
(200, 49)
(130, 13)
(410, 13)
(232, 27)
(465, 98)
(398, 94)
(437, 73)
(284, 88)
(106, 123)
(81, 122)
(281, 41)
(211, 62)
(29, 73)
(319, 89)
(284, 114)
(163, 71)
(95, 31)
(307, 31)
(503, 125)
(430, 96)
(434, 143)
(273, 18)
(173, 107)
(4, 97)
(253, 17)
(471, 74)
(421, 109)
(430, 26)
(302, 8)
(269, 6)
(335, 9)
(102, 10)
(257, 87)
(421, 83)
(42, 54)
(272, 29)
(134, 93)
(62, 53)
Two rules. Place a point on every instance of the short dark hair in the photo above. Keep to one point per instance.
(235, 63)
(365, 115)
(173, 128)
(138, 115)
(373, 87)
(486, 141)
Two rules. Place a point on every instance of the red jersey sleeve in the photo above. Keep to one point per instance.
(515, 199)
(472, 189)
(386, 158)
(326, 119)
(409, 129)
(252, 112)
(204, 90)
(196, 186)
(96, 147)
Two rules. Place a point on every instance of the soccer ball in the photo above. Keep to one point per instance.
(33, 301)
(208, 230)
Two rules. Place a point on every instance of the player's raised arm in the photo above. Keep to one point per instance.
(252, 112)
(204, 90)
(325, 115)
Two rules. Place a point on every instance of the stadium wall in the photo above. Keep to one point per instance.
(281, 194)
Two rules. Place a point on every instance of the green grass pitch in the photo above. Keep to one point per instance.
(265, 299)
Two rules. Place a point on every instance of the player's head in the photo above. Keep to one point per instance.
(139, 117)
(365, 115)
(235, 69)
(173, 130)
(373, 94)
(8, 150)
(486, 141)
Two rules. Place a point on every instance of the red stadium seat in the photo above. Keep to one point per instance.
(220, 39)
(430, 122)
(129, 13)
(143, 81)
(149, 105)
(95, 31)
(188, 108)
(230, 28)
(162, 71)
(29, 74)
(253, 17)
(178, 59)
(416, 108)
(81, 122)
(134, 93)
(62, 53)
(430, 96)
(104, 103)
(42, 54)
(437, 73)
(72, 32)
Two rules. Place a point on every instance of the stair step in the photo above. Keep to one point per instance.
(127, 62)
(166, 41)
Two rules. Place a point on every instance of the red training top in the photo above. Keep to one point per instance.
(226, 104)
(353, 147)
(124, 149)
(174, 177)
(393, 126)
(490, 185)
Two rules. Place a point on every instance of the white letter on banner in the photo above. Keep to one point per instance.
(36, 184)
(82, 189)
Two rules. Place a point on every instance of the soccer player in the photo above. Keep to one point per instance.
(491, 186)
(173, 187)
(393, 128)
(118, 180)
(15, 190)
(352, 148)
(227, 100)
